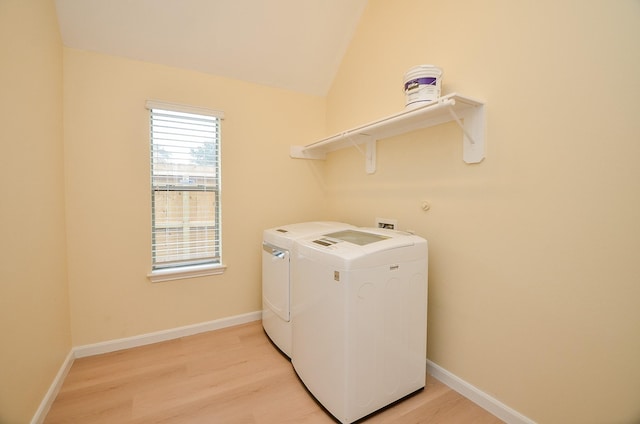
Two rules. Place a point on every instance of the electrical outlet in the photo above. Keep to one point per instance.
(388, 223)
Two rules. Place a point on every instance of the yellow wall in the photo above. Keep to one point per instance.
(108, 198)
(534, 290)
(34, 310)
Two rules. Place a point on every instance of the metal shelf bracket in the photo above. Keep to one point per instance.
(472, 133)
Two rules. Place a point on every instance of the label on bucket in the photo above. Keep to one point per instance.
(422, 84)
(415, 83)
(416, 91)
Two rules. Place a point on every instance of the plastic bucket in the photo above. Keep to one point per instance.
(422, 85)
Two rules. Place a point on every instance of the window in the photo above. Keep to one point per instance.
(185, 191)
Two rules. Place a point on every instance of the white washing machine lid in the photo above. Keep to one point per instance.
(362, 247)
(361, 238)
(284, 235)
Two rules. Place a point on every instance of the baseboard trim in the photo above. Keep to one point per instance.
(51, 394)
(129, 342)
(164, 335)
(482, 399)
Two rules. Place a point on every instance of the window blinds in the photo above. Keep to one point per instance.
(185, 185)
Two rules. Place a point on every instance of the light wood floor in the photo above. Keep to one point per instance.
(233, 376)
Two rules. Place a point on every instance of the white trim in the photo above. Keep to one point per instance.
(179, 273)
(56, 385)
(164, 335)
(176, 107)
(482, 399)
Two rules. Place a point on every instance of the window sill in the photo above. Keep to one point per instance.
(169, 274)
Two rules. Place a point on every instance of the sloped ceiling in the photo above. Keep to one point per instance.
(290, 44)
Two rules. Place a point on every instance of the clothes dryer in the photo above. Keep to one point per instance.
(359, 303)
(276, 281)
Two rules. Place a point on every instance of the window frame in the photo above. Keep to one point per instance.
(189, 268)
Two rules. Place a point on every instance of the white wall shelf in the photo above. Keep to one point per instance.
(467, 112)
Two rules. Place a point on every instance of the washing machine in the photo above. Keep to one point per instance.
(276, 280)
(359, 307)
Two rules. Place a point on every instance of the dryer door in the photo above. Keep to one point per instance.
(276, 289)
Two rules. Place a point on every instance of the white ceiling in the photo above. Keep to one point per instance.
(290, 44)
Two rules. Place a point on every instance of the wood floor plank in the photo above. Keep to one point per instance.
(229, 376)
